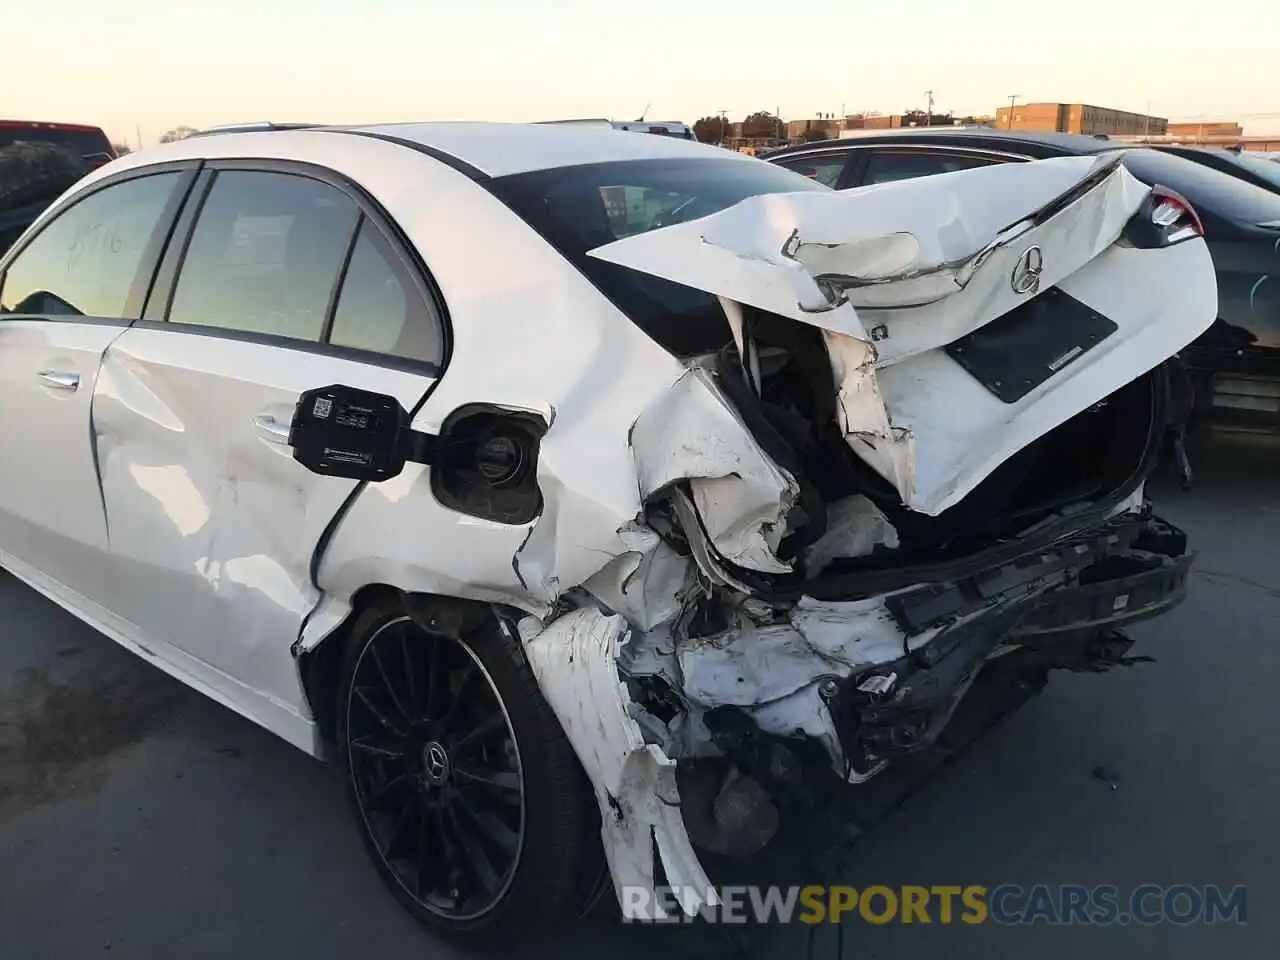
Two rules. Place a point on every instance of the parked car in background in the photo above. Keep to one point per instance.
(1251, 167)
(1235, 366)
(37, 162)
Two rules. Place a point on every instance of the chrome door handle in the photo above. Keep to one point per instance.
(59, 381)
(269, 428)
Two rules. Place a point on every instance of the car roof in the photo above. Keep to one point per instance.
(490, 149)
(500, 149)
(1075, 143)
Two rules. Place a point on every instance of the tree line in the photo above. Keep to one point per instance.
(763, 125)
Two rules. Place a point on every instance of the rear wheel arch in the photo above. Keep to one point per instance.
(320, 668)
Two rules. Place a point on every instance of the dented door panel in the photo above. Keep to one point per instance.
(51, 512)
(212, 524)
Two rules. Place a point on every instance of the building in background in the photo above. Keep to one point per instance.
(1078, 118)
(823, 127)
(1259, 144)
(1224, 128)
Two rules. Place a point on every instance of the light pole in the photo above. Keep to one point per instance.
(1012, 100)
(929, 115)
(722, 116)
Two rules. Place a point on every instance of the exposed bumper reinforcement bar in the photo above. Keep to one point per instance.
(1068, 599)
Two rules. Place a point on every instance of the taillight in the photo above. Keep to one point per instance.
(1174, 214)
(1165, 218)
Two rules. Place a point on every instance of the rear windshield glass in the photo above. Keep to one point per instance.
(1215, 190)
(83, 142)
(1262, 167)
(583, 207)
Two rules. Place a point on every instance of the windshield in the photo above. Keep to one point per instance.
(577, 209)
(1213, 190)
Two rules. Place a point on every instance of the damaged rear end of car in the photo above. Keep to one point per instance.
(921, 447)
(754, 483)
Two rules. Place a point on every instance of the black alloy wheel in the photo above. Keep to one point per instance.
(468, 796)
(435, 768)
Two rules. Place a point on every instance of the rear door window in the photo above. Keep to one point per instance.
(885, 166)
(286, 255)
(265, 255)
(379, 309)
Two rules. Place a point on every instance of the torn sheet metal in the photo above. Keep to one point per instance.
(692, 434)
(575, 661)
(774, 672)
(894, 273)
(647, 584)
(856, 527)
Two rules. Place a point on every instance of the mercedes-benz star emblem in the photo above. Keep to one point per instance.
(435, 762)
(1026, 274)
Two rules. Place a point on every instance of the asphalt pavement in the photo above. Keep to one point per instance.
(139, 820)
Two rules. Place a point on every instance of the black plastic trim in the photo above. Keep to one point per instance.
(1146, 595)
(121, 322)
(372, 358)
(160, 293)
(340, 281)
(140, 289)
(917, 610)
(435, 153)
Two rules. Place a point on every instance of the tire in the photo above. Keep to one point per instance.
(440, 867)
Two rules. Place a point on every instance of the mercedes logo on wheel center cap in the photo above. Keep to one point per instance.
(435, 762)
(1026, 274)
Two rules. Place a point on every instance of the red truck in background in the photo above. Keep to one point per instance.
(90, 143)
(38, 161)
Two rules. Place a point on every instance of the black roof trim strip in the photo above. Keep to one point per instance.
(448, 159)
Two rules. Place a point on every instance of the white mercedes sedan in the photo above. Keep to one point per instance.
(542, 475)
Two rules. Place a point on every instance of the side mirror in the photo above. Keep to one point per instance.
(341, 431)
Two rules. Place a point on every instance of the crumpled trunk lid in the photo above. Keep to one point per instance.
(950, 347)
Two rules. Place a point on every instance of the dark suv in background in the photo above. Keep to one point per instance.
(1235, 366)
(39, 160)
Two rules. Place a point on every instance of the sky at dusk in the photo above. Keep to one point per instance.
(166, 63)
